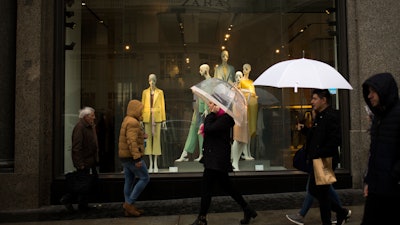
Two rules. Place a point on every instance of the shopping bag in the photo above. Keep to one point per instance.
(80, 182)
(300, 161)
(323, 171)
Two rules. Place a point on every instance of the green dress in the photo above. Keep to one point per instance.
(193, 136)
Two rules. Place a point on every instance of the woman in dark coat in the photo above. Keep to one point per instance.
(217, 163)
(382, 181)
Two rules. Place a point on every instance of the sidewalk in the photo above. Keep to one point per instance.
(271, 209)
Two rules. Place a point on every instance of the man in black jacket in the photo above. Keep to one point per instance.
(323, 140)
(382, 181)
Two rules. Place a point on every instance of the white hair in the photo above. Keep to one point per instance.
(85, 111)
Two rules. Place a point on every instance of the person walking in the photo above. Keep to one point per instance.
(298, 218)
(323, 140)
(382, 180)
(85, 157)
(131, 151)
(217, 164)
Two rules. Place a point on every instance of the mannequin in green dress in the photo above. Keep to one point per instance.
(200, 111)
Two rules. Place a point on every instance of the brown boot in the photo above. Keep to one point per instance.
(141, 211)
(130, 210)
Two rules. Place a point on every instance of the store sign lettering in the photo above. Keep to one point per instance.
(206, 3)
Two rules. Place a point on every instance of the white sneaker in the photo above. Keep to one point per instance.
(296, 218)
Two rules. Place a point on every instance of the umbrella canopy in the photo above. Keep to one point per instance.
(223, 94)
(302, 73)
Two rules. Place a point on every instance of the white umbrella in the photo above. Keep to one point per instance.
(226, 96)
(302, 73)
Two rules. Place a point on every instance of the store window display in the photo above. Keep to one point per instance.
(153, 118)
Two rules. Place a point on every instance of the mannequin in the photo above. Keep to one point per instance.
(247, 87)
(240, 134)
(225, 71)
(153, 118)
(200, 112)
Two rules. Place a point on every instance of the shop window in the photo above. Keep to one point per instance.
(119, 43)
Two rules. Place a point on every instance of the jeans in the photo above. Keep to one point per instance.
(309, 199)
(131, 172)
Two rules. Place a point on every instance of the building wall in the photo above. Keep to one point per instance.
(29, 185)
(373, 46)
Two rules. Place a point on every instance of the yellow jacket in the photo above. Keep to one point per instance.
(158, 105)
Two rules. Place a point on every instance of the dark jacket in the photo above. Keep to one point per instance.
(217, 142)
(84, 145)
(324, 137)
(383, 172)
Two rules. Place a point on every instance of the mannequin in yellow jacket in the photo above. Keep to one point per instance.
(153, 118)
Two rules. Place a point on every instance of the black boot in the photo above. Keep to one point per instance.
(201, 220)
(248, 214)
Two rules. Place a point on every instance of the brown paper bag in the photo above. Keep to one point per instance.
(323, 171)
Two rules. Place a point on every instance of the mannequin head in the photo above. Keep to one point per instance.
(246, 70)
(152, 80)
(238, 76)
(224, 56)
(204, 70)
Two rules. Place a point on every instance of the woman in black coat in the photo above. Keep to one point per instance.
(217, 163)
(382, 180)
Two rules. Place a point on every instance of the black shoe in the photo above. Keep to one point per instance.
(343, 217)
(201, 220)
(66, 201)
(248, 214)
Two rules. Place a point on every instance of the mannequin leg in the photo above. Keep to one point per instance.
(237, 149)
(151, 163)
(155, 164)
(200, 139)
(247, 153)
(183, 157)
(200, 155)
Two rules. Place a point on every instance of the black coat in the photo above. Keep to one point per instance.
(383, 172)
(324, 137)
(217, 142)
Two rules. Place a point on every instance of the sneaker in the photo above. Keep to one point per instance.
(342, 218)
(296, 218)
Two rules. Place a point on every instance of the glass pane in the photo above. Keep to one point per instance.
(119, 43)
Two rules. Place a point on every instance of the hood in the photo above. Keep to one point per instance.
(386, 87)
(135, 109)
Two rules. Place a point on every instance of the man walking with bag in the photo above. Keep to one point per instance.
(323, 140)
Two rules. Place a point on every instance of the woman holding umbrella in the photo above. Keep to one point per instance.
(217, 164)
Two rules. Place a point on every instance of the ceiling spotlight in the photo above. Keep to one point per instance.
(330, 10)
(70, 46)
(71, 25)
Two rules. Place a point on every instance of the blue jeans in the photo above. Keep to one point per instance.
(309, 199)
(131, 172)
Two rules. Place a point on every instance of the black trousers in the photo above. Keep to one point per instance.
(381, 209)
(210, 179)
(321, 192)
